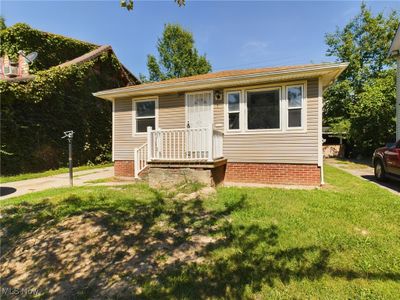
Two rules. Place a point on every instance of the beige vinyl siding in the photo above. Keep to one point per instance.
(171, 114)
(277, 147)
(171, 111)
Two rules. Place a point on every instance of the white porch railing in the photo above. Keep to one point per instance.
(218, 144)
(187, 144)
(140, 159)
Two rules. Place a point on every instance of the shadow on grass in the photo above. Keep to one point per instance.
(391, 184)
(102, 248)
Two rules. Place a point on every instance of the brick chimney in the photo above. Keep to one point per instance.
(23, 66)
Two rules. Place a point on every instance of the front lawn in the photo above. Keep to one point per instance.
(340, 242)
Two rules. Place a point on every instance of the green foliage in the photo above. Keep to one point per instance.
(178, 56)
(372, 116)
(128, 4)
(52, 49)
(341, 127)
(2, 23)
(364, 43)
(37, 112)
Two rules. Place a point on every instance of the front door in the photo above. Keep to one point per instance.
(198, 120)
(199, 110)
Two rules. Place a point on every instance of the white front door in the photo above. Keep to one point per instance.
(199, 110)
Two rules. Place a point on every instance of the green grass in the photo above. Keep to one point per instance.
(350, 164)
(102, 180)
(25, 176)
(339, 242)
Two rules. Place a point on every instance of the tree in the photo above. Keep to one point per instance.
(2, 23)
(363, 43)
(372, 116)
(128, 4)
(178, 56)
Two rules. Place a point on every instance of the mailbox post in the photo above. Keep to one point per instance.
(69, 135)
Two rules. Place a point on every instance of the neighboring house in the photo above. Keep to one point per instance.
(10, 69)
(19, 70)
(245, 126)
(394, 51)
(41, 99)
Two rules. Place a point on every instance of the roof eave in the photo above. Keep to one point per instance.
(394, 49)
(333, 69)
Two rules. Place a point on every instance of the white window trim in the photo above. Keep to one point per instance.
(283, 109)
(280, 129)
(227, 112)
(211, 92)
(134, 101)
(302, 107)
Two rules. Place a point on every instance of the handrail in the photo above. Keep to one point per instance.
(140, 159)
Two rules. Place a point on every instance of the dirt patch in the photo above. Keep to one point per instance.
(82, 256)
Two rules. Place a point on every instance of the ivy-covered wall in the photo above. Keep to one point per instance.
(53, 49)
(35, 114)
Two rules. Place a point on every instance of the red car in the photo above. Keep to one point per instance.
(386, 161)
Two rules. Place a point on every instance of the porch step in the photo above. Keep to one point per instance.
(188, 164)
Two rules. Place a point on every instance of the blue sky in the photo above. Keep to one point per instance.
(233, 34)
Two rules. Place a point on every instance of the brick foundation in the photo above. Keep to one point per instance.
(298, 174)
(124, 168)
(291, 174)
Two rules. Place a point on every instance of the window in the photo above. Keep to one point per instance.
(233, 110)
(295, 106)
(263, 109)
(145, 115)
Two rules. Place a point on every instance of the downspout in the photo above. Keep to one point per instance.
(113, 130)
(398, 98)
(320, 152)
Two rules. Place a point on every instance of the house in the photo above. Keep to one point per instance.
(258, 126)
(43, 97)
(19, 70)
(10, 69)
(394, 52)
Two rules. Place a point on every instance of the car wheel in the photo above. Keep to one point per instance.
(379, 170)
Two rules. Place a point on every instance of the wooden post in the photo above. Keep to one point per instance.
(149, 144)
(136, 163)
(210, 143)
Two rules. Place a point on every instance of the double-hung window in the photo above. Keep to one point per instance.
(233, 110)
(263, 109)
(295, 106)
(145, 115)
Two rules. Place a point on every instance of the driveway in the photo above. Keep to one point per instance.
(365, 172)
(18, 188)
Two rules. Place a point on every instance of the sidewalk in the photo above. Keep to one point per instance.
(18, 188)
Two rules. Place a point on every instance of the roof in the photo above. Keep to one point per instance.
(228, 78)
(395, 46)
(82, 59)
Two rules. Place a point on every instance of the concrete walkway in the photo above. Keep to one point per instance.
(367, 173)
(18, 188)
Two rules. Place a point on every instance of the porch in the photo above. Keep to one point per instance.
(180, 148)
